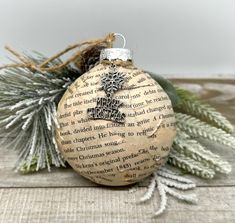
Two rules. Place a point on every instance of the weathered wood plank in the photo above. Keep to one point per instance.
(218, 93)
(110, 205)
(201, 76)
(62, 177)
(58, 177)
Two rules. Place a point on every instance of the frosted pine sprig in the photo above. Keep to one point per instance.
(28, 103)
(192, 105)
(150, 189)
(163, 198)
(193, 149)
(190, 198)
(164, 180)
(176, 184)
(196, 128)
(166, 173)
(190, 165)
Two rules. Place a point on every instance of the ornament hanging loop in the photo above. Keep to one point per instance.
(123, 38)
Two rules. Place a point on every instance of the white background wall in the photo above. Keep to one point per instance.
(172, 37)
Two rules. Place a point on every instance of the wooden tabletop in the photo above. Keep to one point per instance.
(64, 196)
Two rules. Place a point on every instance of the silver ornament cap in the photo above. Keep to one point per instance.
(116, 54)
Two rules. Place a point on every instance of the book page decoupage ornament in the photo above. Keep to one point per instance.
(116, 124)
(112, 122)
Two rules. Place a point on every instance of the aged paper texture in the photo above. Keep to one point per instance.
(108, 152)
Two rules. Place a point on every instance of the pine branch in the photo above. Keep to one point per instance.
(165, 185)
(163, 198)
(168, 174)
(196, 128)
(192, 105)
(190, 198)
(189, 165)
(176, 184)
(26, 167)
(165, 180)
(150, 189)
(28, 102)
(193, 149)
